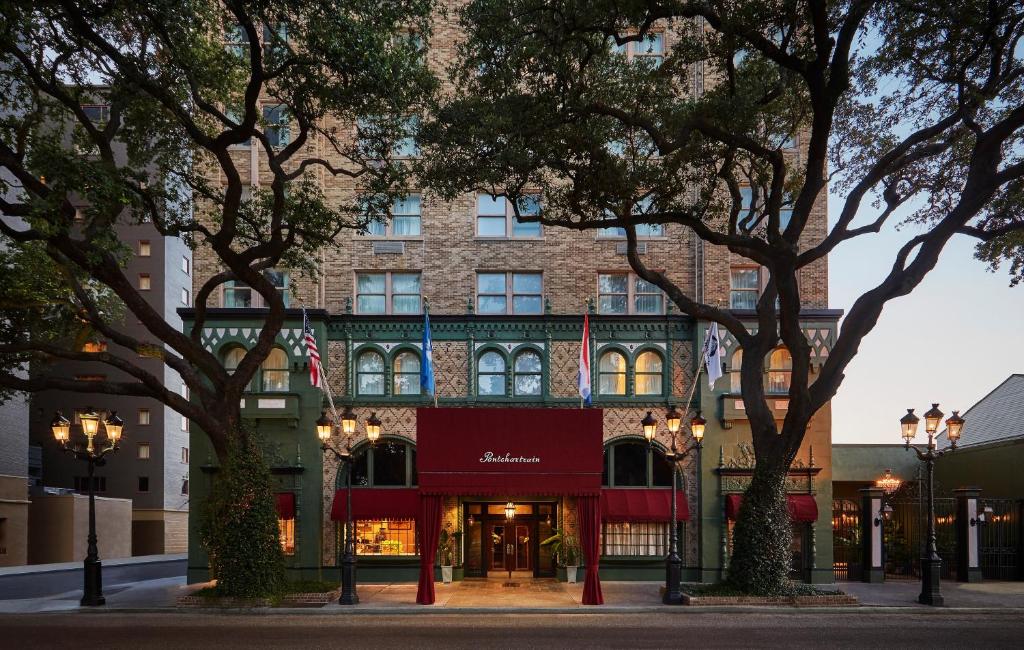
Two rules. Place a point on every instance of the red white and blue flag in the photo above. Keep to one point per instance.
(583, 380)
(316, 371)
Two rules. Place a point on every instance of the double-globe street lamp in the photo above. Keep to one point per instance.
(324, 429)
(931, 563)
(673, 420)
(92, 593)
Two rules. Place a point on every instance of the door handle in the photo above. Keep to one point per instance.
(509, 549)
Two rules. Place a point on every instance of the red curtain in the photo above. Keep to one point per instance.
(430, 530)
(589, 508)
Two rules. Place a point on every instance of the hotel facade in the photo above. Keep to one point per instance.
(506, 302)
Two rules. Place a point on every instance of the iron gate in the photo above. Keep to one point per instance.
(1000, 540)
(906, 532)
(846, 536)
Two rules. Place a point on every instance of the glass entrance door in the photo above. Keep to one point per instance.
(510, 547)
(494, 543)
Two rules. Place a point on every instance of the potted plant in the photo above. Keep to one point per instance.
(566, 551)
(447, 547)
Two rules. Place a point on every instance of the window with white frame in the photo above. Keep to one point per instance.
(276, 129)
(509, 292)
(780, 371)
(639, 538)
(527, 371)
(611, 373)
(626, 293)
(405, 219)
(643, 230)
(405, 373)
(388, 292)
(274, 371)
(370, 373)
(405, 146)
(495, 217)
(237, 294)
(648, 372)
(744, 287)
(649, 48)
(98, 114)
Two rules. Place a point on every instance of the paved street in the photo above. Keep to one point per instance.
(899, 629)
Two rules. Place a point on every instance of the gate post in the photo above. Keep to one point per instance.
(872, 527)
(968, 551)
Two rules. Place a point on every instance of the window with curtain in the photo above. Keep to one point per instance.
(611, 373)
(527, 371)
(385, 537)
(490, 374)
(744, 287)
(642, 538)
(405, 293)
(274, 370)
(649, 373)
(370, 373)
(734, 371)
(406, 374)
(371, 293)
(780, 370)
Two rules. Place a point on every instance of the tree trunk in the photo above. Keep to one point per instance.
(762, 535)
(238, 524)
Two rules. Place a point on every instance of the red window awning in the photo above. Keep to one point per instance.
(377, 503)
(509, 451)
(647, 504)
(802, 507)
(285, 505)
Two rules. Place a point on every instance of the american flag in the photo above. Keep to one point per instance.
(315, 370)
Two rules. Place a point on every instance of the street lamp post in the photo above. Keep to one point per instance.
(931, 563)
(92, 592)
(674, 563)
(324, 429)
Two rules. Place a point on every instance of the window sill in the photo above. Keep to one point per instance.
(638, 238)
(414, 238)
(485, 238)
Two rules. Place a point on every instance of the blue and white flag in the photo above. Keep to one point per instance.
(427, 367)
(713, 355)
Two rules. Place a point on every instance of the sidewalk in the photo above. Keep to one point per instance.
(540, 596)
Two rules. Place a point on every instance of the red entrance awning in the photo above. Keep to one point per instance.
(648, 504)
(802, 507)
(285, 505)
(377, 503)
(509, 451)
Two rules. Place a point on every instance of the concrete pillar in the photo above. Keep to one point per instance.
(872, 527)
(968, 540)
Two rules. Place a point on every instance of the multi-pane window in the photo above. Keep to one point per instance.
(388, 293)
(99, 484)
(650, 48)
(275, 39)
(143, 416)
(389, 463)
(527, 374)
(640, 538)
(236, 40)
(276, 130)
(648, 372)
(625, 293)
(405, 219)
(490, 374)
(98, 114)
(509, 293)
(231, 358)
(143, 453)
(780, 370)
(145, 250)
(405, 146)
(635, 464)
(405, 375)
(238, 294)
(747, 217)
(642, 230)
(370, 373)
(495, 217)
(744, 287)
(386, 537)
(611, 373)
(274, 371)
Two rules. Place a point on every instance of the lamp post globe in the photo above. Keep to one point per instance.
(61, 428)
(908, 426)
(954, 426)
(323, 427)
(114, 425)
(650, 426)
(373, 428)
(673, 420)
(348, 421)
(697, 425)
(932, 419)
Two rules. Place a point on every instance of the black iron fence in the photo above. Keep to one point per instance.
(906, 536)
(846, 536)
(1000, 539)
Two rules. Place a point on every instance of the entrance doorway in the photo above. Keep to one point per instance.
(496, 544)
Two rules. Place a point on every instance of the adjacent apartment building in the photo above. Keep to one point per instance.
(152, 468)
(506, 302)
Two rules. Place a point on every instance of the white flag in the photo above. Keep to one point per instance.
(713, 355)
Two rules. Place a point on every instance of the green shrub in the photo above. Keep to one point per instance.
(239, 527)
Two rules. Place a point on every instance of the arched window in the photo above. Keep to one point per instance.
(370, 373)
(527, 371)
(636, 464)
(490, 374)
(780, 370)
(734, 370)
(275, 371)
(648, 373)
(389, 463)
(232, 357)
(611, 374)
(406, 373)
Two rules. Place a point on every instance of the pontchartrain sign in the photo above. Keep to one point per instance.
(516, 451)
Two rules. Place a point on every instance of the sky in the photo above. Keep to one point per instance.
(951, 341)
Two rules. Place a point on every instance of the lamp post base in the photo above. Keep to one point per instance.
(673, 578)
(92, 595)
(348, 582)
(931, 570)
